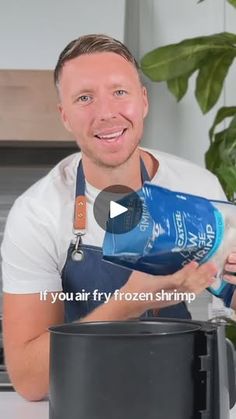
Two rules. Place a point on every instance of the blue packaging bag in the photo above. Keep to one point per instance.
(175, 228)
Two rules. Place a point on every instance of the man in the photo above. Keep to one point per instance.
(103, 103)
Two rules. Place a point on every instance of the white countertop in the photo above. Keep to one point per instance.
(233, 413)
(12, 406)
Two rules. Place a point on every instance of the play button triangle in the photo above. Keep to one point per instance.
(116, 209)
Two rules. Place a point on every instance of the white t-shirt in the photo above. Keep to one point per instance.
(39, 228)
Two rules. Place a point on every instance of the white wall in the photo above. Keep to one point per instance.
(32, 33)
(177, 128)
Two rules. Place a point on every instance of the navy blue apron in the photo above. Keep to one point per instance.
(93, 273)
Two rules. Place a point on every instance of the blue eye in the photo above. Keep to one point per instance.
(120, 92)
(84, 98)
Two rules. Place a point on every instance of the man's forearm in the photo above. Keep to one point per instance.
(31, 369)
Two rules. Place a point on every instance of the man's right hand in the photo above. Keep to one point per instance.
(190, 279)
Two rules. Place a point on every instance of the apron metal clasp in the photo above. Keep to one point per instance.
(78, 254)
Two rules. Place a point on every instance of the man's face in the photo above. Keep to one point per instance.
(103, 104)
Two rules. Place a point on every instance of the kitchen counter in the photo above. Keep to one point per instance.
(233, 413)
(12, 406)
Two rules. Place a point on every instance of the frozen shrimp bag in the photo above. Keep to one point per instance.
(175, 228)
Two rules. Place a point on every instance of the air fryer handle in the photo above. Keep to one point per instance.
(231, 372)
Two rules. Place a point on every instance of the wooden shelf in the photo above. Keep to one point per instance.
(28, 107)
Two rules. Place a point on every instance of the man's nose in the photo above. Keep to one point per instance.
(106, 108)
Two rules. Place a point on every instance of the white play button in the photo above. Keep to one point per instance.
(116, 209)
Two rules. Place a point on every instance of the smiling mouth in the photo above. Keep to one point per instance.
(113, 136)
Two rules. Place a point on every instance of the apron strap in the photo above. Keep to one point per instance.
(80, 200)
(80, 178)
(144, 174)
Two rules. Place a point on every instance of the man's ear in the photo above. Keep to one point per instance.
(145, 102)
(64, 117)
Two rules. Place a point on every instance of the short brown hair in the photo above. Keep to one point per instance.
(89, 44)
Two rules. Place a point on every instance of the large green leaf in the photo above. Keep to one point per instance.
(224, 112)
(227, 177)
(227, 150)
(179, 86)
(221, 38)
(175, 60)
(233, 2)
(221, 155)
(211, 78)
(223, 148)
(232, 125)
(172, 61)
(212, 156)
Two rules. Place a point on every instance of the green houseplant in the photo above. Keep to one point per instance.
(211, 57)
